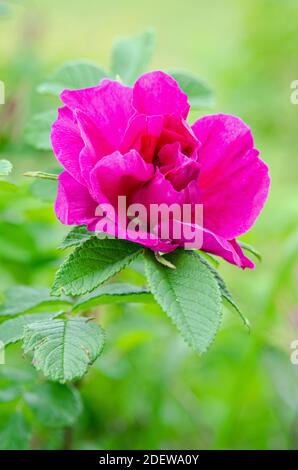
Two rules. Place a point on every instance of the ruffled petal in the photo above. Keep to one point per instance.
(108, 105)
(119, 175)
(233, 181)
(158, 93)
(67, 142)
(74, 205)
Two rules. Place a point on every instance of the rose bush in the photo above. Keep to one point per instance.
(114, 140)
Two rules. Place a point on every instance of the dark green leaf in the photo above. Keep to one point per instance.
(189, 294)
(76, 236)
(113, 293)
(63, 349)
(13, 330)
(93, 263)
(21, 299)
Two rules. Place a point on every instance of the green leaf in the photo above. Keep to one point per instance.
(113, 293)
(15, 433)
(13, 330)
(37, 132)
(21, 299)
(73, 75)
(200, 96)
(76, 236)
(93, 263)
(252, 250)
(226, 294)
(63, 349)
(189, 294)
(130, 56)
(5, 167)
(54, 405)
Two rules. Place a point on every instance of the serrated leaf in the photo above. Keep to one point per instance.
(5, 167)
(63, 349)
(76, 236)
(226, 294)
(38, 129)
(21, 299)
(200, 96)
(130, 56)
(113, 293)
(13, 330)
(189, 294)
(73, 75)
(15, 433)
(93, 263)
(53, 404)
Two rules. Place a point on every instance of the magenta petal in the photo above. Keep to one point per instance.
(233, 181)
(109, 105)
(119, 175)
(158, 93)
(74, 205)
(67, 142)
(157, 191)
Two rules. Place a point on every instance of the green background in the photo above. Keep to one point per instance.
(148, 390)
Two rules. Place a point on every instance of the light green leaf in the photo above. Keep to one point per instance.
(21, 299)
(41, 175)
(15, 433)
(63, 349)
(13, 330)
(93, 263)
(37, 132)
(226, 294)
(5, 167)
(76, 236)
(114, 293)
(189, 294)
(130, 56)
(54, 405)
(200, 96)
(73, 75)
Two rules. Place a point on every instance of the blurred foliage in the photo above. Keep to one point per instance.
(148, 390)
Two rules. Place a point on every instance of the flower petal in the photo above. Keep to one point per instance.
(119, 175)
(109, 105)
(158, 93)
(67, 142)
(74, 205)
(233, 181)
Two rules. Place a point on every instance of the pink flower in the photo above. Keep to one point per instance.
(114, 140)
